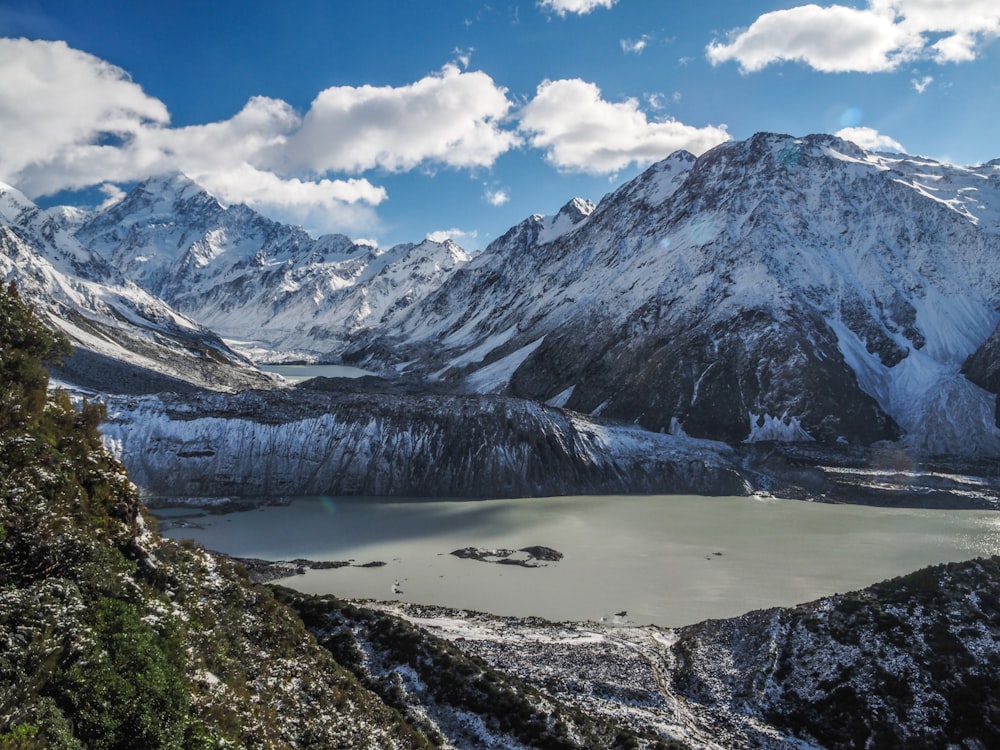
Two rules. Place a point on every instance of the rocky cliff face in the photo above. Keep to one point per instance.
(911, 662)
(305, 442)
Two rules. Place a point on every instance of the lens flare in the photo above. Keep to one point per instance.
(327, 502)
(851, 117)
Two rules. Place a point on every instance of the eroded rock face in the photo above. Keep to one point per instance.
(723, 381)
(983, 367)
(911, 662)
(275, 443)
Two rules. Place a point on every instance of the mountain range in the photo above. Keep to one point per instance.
(775, 289)
(114, 636)
(786, 315)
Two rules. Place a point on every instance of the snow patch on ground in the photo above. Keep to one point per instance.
(937, 407)
(494, 377)
(561, 399)
(477, 353)
(786, 429)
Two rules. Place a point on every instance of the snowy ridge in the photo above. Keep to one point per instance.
(101, 312)
(802, 277)
(843, 290)
(570, 216)
(273, 443)
(266, 285)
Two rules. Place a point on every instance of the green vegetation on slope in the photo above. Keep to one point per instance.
(112, 637)
(435, 684)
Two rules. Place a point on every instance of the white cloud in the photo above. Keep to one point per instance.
(452, 118)
(248, 184)
(635, 46)
(496, 197)
(112, 194)
(458, 236)
(920, 84)
(463, 56)
(70, 120)
(832, 39)
(880, 37)
(562, 7)
(870, 139)
(53, 98)
(580, 131)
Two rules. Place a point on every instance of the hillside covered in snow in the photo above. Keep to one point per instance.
(776, 288)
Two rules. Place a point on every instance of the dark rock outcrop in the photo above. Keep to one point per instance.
(911, 662)
(302, 442)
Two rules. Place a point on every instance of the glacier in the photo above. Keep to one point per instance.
(283, 443)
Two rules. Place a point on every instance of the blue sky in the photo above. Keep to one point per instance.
(395, 120)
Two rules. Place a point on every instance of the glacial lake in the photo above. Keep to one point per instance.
(298, 373)
(666, 560)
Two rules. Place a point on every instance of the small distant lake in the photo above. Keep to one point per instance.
(298, 373)
(667, 560)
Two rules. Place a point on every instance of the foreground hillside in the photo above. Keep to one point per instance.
(913, 662)
(113, 637)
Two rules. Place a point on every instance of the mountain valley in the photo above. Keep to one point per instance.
(781, 316)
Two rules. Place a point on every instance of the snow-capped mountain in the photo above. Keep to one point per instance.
(776, 288)
(125, 338)
(265, 285)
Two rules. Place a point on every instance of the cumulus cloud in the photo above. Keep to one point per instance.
(920, 84)
(635, 46)
(879, 37)
(497, 197)
(870, 139)
(562, 7)
(459, 236)
(53, 98)
(452, 118)
(580, 131)
(70, 120)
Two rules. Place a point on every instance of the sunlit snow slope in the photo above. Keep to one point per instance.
(267, 286)
(780, 287)
(125, 338)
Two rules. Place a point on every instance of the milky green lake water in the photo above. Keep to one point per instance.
(298, 373)
(668, 560)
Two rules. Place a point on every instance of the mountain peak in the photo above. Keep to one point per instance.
(577, 209)
(172, 187)
(14, 204)
(163, 196)
(569, 217)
